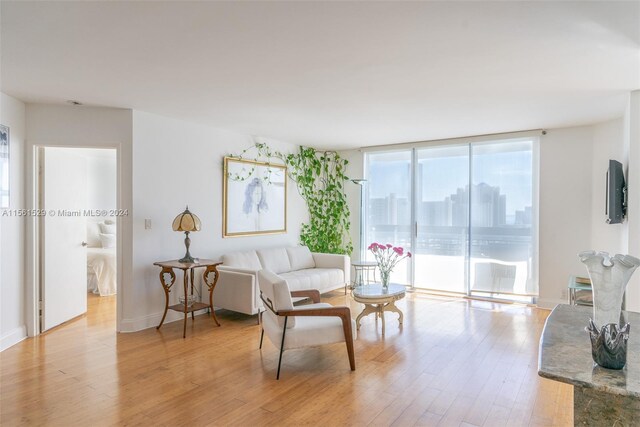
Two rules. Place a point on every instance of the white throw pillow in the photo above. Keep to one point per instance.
(275, 259)
(93, 235)
(300, 258)
(107, 228)
(108, 240)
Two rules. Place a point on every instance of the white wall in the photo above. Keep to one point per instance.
(565, 209)
(102, 176)
(12, 231)
(72, 126)
(177, 164)
(355, 170)
(632, 127)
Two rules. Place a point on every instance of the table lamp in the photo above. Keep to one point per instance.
(187, 222)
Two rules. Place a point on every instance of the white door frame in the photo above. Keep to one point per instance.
(33, 238)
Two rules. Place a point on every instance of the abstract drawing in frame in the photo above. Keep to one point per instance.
(255, 198)
(4, 166)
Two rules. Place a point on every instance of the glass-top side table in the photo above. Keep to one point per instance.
(362, 269)
(580, 286)
(377, 300)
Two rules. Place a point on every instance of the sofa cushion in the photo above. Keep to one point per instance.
(300, 258)
(247, 259)
(274, 259)
(313, 278)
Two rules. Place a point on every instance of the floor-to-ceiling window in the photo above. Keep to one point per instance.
(501, 232)
(388, 205)
(442, 218)
(466, 211)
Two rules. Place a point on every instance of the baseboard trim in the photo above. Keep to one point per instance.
(549, 303)
(13, 337)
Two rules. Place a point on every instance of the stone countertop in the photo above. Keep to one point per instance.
(565, 353)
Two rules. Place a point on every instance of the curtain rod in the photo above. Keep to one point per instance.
(457, 138)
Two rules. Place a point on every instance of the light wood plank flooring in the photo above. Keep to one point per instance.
(455, 362)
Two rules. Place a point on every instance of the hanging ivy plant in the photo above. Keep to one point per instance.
(320, 177)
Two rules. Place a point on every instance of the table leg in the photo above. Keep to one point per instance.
(186, 313)
(368, 309)
(381, 311)
(211, 284)
(392, 307)
(167, 288)
(193, 312)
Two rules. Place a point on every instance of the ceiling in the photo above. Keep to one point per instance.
(331, 74)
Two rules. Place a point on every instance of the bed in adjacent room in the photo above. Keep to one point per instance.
(101, 258)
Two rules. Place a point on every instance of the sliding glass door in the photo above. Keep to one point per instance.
(388, 205)
(501, 219)
(442, 218)
(466, 211)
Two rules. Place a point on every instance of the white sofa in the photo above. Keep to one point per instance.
(238, 290)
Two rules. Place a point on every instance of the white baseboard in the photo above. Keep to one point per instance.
(549, 303)
(13, 337)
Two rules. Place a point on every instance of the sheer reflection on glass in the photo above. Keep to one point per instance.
(442, 217)
(469, 220)
(388, 205)
(501, 219)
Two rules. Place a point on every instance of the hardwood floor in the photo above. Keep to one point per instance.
(454, 362)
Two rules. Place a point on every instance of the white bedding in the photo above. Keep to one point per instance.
(102, 263)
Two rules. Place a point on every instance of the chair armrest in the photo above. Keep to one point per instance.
(237, 270)
(314, 294)
(335, 311)
(342, 262)
(331, 260)
(236, 291)
(343, 312)
(237, 276)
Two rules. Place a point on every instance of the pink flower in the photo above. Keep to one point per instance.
(389, 245)
(409, 254)
(398, 250)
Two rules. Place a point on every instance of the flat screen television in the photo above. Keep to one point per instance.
(615, 208)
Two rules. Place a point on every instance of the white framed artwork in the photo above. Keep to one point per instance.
(254, 198)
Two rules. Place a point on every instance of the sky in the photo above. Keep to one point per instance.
(445, 169)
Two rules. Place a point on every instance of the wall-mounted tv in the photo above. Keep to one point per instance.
(616, 206)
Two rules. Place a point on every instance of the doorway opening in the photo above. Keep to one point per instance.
(77, 225)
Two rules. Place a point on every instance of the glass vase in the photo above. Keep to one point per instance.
(607, 329)
(384, 278)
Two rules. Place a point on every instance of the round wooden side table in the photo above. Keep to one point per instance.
(378, 300)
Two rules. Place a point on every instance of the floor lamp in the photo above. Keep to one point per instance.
(360, 182)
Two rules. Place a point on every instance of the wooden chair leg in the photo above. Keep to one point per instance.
(261, 337)
(348, 338)
(351, 353)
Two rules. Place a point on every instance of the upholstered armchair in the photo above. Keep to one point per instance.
(303, 326)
